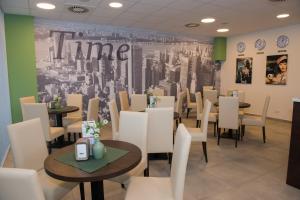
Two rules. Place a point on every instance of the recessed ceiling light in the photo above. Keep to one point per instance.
(192, 25)
(115, 5)
(222, 30)
(208, 20)
(46, 6)
(284, 15)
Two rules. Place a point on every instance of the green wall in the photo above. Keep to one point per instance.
(220, 48)
(19, 33)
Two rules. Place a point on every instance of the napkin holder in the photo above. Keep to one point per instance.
(82, 149)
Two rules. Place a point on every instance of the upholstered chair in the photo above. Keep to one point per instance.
(72, 117)
(138, 102)
(212, 96)
(23, 100)
(259, 121)
(39, 110)
(229, 116)
(162, 188)
(29, 152)
(190, 105)
(179, 105)
(207, 87)
(133, 128)
(124, 102)
(20, 184)
(200, 134)
(114, 117)
(158, 92)
(165, 102)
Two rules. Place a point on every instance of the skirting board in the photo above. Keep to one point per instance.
(5, 156)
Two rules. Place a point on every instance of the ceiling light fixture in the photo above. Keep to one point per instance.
(115, 5)
(208, 20)
(192, 25)
(222, 30)
(46, 6)
(284, 15)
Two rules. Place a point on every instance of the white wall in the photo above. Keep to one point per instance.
(281, 96)
(5, 115)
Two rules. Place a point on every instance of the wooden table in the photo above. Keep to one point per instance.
(241, 104)
(59, 112)
(65, 172)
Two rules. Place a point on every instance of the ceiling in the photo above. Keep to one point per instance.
(240, 16)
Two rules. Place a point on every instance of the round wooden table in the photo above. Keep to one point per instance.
(65, 172)
(241, 104)
(58, 112)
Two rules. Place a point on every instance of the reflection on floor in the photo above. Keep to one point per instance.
(253, 171)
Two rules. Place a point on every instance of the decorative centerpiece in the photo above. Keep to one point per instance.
(91, 130)
(151, 100)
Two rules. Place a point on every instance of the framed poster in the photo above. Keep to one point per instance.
(244, 70)
(276, 69)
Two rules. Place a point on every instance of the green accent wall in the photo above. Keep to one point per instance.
(220, 48)
(19, 33)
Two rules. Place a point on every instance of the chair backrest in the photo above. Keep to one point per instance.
(179, 103)
(228, 112)
(93, 109)
(38, 110)
(123, 95)
(28, 144)
(207, 87)
(165, 102)
(179, 161)
(199, 103)
(133, 129)
(28, 99)
(212, 96)
(74, 100)
(205, 117)
(158, 92)
(160, 130)
(188, 97)
(241, 95)
(114, 117)
(19, 184)
(138, 102)
(265, 109)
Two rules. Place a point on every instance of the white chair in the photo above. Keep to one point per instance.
(179, 105)
(72, 117)
(138, 102)
(207, 87)
(229, 115)
(158, 92)
(165, 102)
(23, 100)
(257, 121)
(165, 188)
(133, 129)
(190, 104)
(20, 184)
(212, 96)
(29, 152)
(114, 117)
(160, 131)
(39, 110)
(123, 95)
(92, 115)
(200, 134)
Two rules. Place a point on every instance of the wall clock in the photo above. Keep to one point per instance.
(241, 46)
(282, 41)
(260, 44)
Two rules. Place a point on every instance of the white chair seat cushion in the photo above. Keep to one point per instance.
(192, 105)
(252, 121)
(54, 189)
(137, 171)
(55, 132)
(149, 188)
(75, 127)
(70, 120)
(197, 135)
(211, 118)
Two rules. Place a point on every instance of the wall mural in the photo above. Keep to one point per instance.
(101, 61)
(276, 69)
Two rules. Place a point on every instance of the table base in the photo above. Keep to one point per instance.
(97, 190)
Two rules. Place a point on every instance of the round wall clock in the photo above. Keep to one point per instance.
(282, 41)
(260, 44)
(241, 46)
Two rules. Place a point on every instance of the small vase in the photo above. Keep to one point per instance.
(98, 150)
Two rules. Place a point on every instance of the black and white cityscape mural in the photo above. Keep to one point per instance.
(100, 61)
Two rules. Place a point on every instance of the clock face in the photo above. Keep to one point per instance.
(282, 41)
(260, 44)
(241, 46)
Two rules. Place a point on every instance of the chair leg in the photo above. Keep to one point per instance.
(187, 112)
(236, 138)
(170, 155)
(69, 137)
(219, 130)
(176, 121)
(180, 120)
(204, 150)
(264, 133)
(81, 187)
(215, 128)
(146, 171)
(49, 147)
(197, 123)
(243, 131)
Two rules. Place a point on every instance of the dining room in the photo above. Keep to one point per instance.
(136, 99)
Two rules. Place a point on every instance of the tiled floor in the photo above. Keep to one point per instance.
(253, 171)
